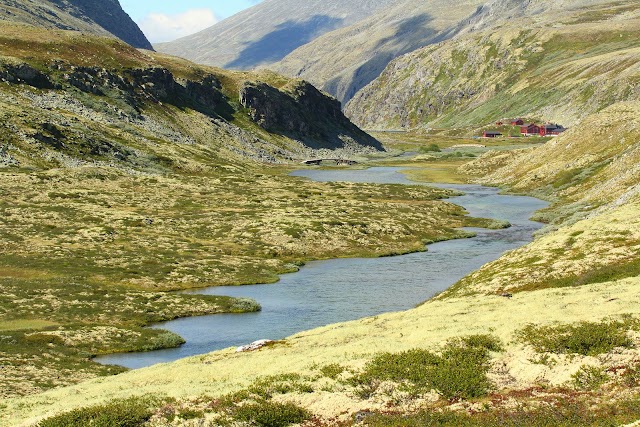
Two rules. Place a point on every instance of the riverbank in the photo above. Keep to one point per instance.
(98, 259)
(324, 292)
(523, 358)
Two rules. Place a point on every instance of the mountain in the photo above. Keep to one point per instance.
(267, 32)
(538, 59)
(344, 61)
(104, 82)
(104, 17)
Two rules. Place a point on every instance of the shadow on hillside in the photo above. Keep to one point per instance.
(287, 37)
(409, 35)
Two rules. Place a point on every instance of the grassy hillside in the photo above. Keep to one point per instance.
(344, 61)
(126, 175)
(591, 174)
(561, 349)
(559, 66)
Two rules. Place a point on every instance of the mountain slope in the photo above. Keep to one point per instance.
(557, 63)
(104, 17)
(344, 61)
(137, 89)
(269, 31)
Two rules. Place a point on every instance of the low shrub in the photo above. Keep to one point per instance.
(271, 414)
(459, 372)
(585, 338)
(132, 412)
(332, 371)
(589, 378)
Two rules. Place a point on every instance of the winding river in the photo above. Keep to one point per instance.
(332, 291)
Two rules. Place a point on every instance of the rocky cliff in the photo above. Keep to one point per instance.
(105, 17)
(301, 111)
(535, 59)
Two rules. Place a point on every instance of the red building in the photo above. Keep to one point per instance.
(530, 129)
(517, 122)
(551, 129)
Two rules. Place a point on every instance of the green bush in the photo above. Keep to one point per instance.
(332, 371)
(631, 376)
(131, 412)
(589, 378)
(431, 148)
(271, 414)
(460, 371)
(585, 338)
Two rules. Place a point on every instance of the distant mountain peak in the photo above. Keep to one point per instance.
(99, 17)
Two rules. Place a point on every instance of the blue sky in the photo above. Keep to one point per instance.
(165, 20)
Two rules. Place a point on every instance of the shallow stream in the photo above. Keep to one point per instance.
(326, 292)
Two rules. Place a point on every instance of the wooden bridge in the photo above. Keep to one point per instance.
(336, 161)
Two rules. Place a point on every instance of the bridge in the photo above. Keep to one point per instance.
(336, 161)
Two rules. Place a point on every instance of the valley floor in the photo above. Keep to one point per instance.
(535, 339)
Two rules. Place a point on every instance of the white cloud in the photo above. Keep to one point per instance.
(159, 27)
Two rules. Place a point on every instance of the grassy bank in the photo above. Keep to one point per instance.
(96, 253)
(534, 353)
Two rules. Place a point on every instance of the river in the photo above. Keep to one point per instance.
(325, 292)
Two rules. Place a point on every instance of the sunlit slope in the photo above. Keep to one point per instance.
(560, 66)
(344, 61)
(592, 175)
(268, 31)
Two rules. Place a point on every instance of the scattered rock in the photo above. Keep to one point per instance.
(362, 416)
(256, 345)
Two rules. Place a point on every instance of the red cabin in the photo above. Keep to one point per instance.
(517, 122)
(551, 130)
(530, 129)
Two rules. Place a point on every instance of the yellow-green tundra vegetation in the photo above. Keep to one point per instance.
(128, 175)
(111, 200)
(546, 335)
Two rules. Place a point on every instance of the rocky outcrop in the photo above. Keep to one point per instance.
(137, 85)
(24, 73)
(103, 18)
(302, 112)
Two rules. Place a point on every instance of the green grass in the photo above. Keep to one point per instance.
(566, 412)
(608, 273)
(271, 414)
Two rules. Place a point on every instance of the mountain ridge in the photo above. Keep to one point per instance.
(268, 31)
(103, 18)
